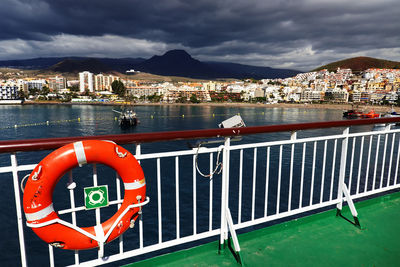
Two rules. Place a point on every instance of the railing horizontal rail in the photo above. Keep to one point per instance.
(53, 143)
(260, 181)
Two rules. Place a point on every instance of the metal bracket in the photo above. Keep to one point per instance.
(356, 222)
(235, 250)
(351, 206)
(342, 188)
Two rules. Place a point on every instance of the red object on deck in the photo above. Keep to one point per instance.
(38, 194)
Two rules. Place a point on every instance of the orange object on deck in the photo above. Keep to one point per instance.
(38, 201)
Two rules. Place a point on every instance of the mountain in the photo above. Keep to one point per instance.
(121, 64)
(177, 63)
(79, 65)
(245, 71)
(33, 63)
(180, 63)
(360, 64)
(172, 63)
(117, 64)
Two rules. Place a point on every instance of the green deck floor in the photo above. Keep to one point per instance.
(318, 240)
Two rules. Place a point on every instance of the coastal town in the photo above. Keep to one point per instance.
(372, 86)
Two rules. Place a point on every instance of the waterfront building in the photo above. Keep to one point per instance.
(103, 82)
(57, 84)
(311, 95)
(259, 92)
(337, 95)
(35, 84)
(210, 86)
(8, 92)
(85, 81)
(143, 91)
(236, 88)
(186, 92)
(391, 97)
(365, 96)
(377, 96)
(356, 96)
(294, 97)
(71, 83)
(22, 86)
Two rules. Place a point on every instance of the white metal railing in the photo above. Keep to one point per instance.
(260, 182)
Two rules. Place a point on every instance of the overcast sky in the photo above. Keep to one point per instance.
(297, 34)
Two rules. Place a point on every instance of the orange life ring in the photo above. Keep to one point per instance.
(38, 202)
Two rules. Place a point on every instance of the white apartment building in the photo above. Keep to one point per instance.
(340, 95)
(144, 91)
(8, 92)
(310, 95)
(35, 84)
(356, 96)
(85, 81)
(259, 92)
(103, 82)
(210, 86)
(57, 84)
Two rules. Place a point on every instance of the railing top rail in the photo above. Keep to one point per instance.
(9, 146)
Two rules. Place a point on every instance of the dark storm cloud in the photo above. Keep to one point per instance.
(297, 33)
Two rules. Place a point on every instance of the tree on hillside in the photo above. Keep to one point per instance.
(21, 94)
(45, 90)
(181, 99)
(74, 88)
(33, 91)
(118, 88)
(194, 99)
(155, 98)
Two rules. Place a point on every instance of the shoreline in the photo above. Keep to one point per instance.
(257, 105)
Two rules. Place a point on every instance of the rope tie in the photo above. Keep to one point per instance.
(22, 183)
(120, 154)
(218, 164)
(132, 224)
(35, 176)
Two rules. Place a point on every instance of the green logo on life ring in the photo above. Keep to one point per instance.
(96, 197)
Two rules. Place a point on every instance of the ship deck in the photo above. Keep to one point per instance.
(317, 240)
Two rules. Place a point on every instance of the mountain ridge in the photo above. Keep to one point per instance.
(173, 63)
(360, 64)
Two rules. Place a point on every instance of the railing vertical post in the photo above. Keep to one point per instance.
(342, 188)
(293, 137)
(138, 152)
(342, 170)
(224, 193)
(71, 187)
(19, 210)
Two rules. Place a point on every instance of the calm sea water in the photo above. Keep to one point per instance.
(46, 121)
(98, 120)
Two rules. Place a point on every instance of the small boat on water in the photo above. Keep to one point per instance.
(352, 114)
(390, 114)
(370, 115)
(127, 118)
(355, 113)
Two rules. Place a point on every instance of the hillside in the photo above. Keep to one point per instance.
(180, 63)
(79, 65)
(177, 63)
(360, 64)
(174, 63)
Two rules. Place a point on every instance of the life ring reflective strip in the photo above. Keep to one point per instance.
(80, 153)
(38, 202)
(41, 214)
